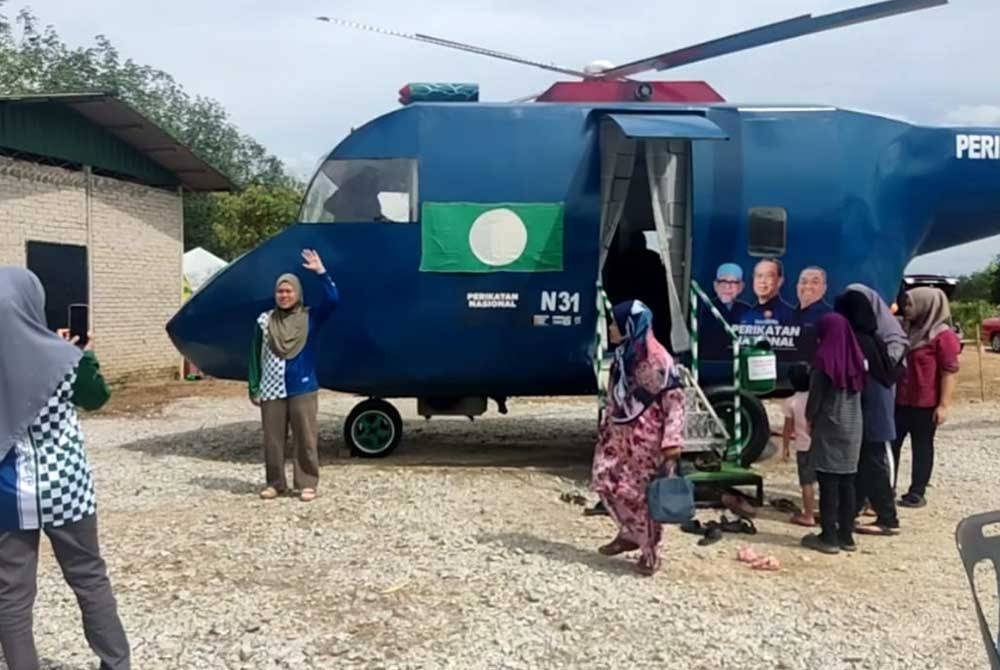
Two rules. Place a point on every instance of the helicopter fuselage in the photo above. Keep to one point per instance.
(861, 194)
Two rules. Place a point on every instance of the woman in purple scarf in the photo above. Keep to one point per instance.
(834, 415)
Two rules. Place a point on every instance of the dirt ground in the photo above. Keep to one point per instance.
(460, 552)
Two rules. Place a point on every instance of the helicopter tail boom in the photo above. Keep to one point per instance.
(965, 190)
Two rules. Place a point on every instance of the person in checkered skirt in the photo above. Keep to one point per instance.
(282, 379)
(45, 480)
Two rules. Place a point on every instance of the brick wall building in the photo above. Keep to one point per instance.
(97, 212)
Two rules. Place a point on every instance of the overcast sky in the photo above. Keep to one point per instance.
(298, 85)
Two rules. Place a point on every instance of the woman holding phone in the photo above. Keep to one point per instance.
(46, 484)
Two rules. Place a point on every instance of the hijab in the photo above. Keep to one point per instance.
(288, 329)
(838, 355)
(889, 330)
(855, 307)
(33, 359)
(929, 316)
(642, 368)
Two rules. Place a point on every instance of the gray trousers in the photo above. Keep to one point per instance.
(78, 554)
(301, 414)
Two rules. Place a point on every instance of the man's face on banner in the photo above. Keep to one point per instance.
(812, 287)
(728, 289)
(767, 281)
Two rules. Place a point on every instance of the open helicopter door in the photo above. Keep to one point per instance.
(664, 142)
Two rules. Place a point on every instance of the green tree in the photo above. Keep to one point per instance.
(244, 219)
(983, 285)
(33, 59)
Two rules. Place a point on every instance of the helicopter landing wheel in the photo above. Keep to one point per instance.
(373, 429)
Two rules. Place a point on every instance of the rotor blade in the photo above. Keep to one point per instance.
(806, 24)
(527, 98)
(439, 41)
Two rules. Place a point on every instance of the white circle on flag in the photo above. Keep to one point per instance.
(498, 237)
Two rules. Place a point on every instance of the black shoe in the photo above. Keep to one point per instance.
(848, 546)
(912, 500)
(817, 543)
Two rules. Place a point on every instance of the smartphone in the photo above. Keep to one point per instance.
(79, 323)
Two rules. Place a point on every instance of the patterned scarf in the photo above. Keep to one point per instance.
(642, 369)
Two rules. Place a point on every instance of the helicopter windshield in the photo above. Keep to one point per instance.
(362, 191)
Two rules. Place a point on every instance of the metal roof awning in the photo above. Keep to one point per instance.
(120, 119)
(667, 126)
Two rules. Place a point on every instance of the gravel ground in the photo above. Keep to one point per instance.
(459, 553)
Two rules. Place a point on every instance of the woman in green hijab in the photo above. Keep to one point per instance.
(283, 379)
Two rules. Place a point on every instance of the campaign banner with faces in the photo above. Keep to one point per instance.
(754, 306)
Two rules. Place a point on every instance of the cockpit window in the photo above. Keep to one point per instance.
(362, 191)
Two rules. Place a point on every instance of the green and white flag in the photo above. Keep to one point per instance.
(504, 237)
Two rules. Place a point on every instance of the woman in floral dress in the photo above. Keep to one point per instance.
(641, 432)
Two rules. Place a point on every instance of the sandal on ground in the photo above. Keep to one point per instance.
(693, 527)
(741, 525)
(307, 495)
(617, 546)
(712, 534)
(596, 510)
(757, 561)
(875, 529)
(269, 493)
(768, 563)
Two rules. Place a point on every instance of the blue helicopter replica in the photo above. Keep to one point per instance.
(474, 243)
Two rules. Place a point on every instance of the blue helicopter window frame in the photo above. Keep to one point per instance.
(363, 190)
(767, 231)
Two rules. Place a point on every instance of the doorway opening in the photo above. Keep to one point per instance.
(62, 269)
(645, 228)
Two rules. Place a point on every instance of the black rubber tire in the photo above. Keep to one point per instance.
(373, 414)
(756, 438)
(995, 343)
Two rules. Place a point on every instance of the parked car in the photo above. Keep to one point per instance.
(991, 333)
(946, 284)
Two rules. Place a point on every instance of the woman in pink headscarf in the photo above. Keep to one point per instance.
(642, 432)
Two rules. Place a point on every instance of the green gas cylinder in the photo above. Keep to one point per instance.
(758, 368)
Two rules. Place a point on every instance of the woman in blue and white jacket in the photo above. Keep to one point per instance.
(45, 480)
(282, 379)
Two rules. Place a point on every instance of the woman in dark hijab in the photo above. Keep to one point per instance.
(46, 484)
(873, 482)
(833, 411)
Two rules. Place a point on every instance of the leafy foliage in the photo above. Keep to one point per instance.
(242, 220)
(33, 59)
(983, 285)
(969, 315)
